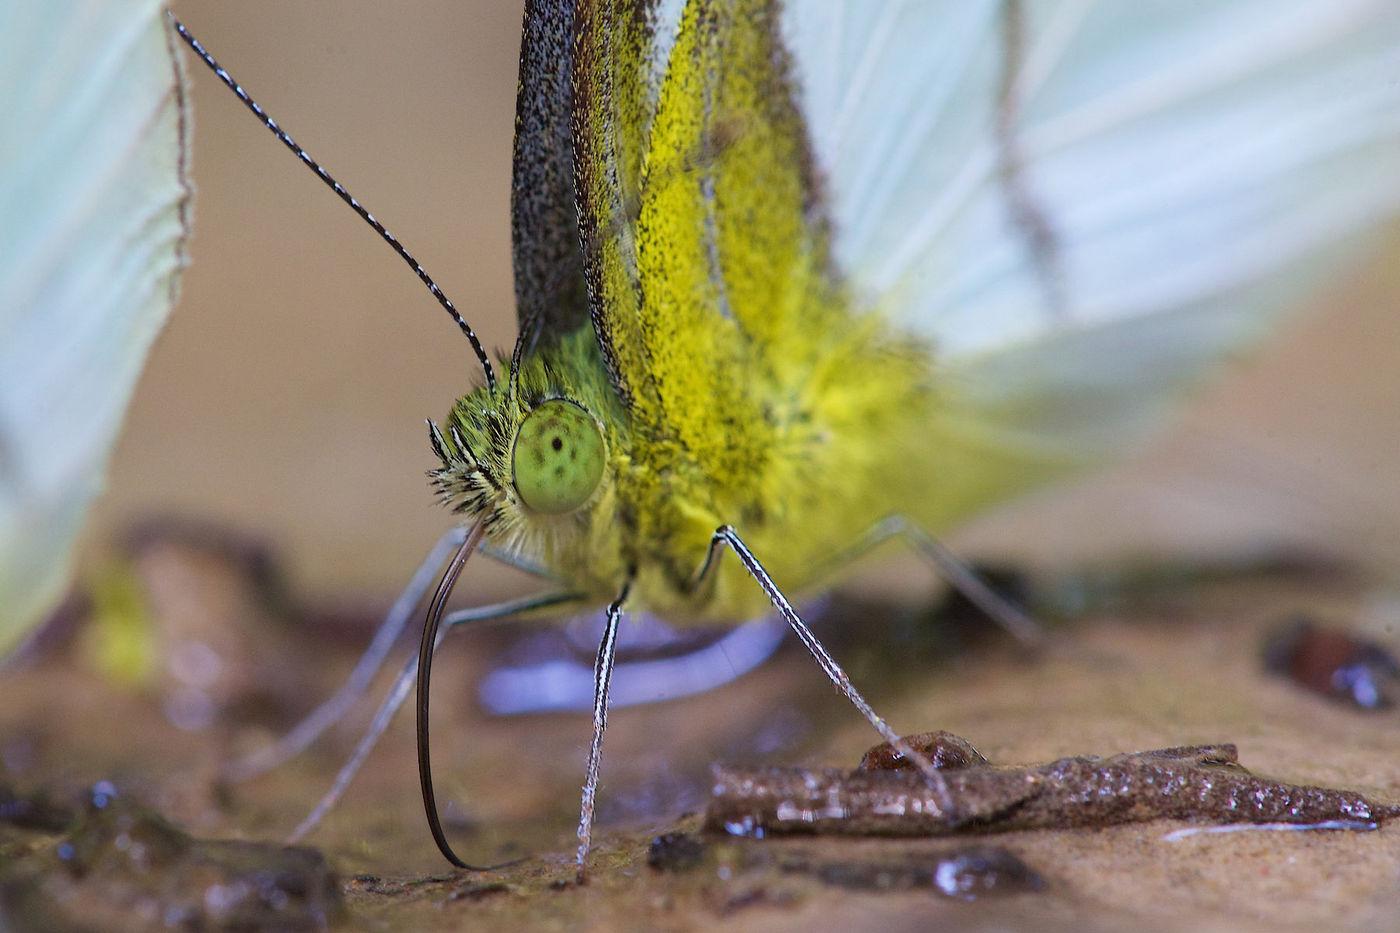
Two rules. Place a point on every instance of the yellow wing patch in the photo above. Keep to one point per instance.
(716, 274)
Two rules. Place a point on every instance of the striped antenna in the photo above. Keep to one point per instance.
(335, 186)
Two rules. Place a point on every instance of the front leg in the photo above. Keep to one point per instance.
(602, 684)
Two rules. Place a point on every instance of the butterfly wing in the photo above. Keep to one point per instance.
(94, 205)
(1084, 204)
(1077, 206)
(550, 296)
(703, 236)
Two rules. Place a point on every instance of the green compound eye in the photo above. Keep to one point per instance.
(558, 457)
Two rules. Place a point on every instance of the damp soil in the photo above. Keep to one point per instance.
(114, 812)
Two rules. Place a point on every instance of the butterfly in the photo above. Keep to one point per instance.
(795, 278)
(792, 278)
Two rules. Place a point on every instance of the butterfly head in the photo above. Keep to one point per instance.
(530, 458)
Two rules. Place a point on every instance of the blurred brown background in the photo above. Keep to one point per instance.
(287, 395)
(288, 392)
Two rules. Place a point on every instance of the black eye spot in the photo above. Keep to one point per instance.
(557, 443)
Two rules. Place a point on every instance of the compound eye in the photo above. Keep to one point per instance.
(558, 457)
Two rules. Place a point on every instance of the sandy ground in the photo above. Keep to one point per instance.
(1179, 665)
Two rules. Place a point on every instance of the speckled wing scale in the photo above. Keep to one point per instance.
(550, 298)
(749, 389)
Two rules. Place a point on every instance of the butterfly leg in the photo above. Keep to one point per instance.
(726, 535)
(309, 729)
(953, 570)
(399, 692)
(295, 741)
(602, 684)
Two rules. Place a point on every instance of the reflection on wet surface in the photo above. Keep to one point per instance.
(1334, 662)
(108, 863)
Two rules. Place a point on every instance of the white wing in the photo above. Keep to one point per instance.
(94, 209)
(1084, 203)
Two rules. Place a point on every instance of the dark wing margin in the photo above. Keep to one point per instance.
(550, 296)
(611, 111)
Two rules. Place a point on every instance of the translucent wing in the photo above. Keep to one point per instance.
(94, 207)
(1084, 203)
